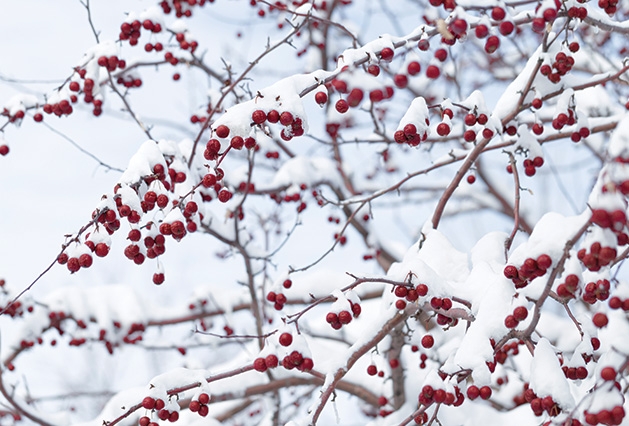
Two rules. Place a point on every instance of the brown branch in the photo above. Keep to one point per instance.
(507, 208)
(557, 270)
(397, 374)
(9, 397)
(233, 85)
(516, 205)
(355, 356)
(479, 148)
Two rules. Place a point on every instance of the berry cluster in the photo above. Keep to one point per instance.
(278, 298)
(200, 405)
(561, 66)
(344, 317)
(609, 6)
(131, 31)
(501, 355)
(598, 256)
(157, 405)
(296, 360)
(474, 392)
(429, 395)
(262, 364)
(186, 44)
(183, 8)
(409, 294)
(575, 373)
(372, 370)
(529, 270)
(614, 416)
(539, 405)
(543, 17)
(568, 288)
(615, 302)
(409, 135)
(111, 63)
(519, 314)
(578, 12)
(531, 166)
(472, 119)
(595, 291)
(615, 220)
(75, 263)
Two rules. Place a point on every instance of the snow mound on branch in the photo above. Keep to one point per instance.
(306, 170)
(547, 377)
(142, 162)
(619, 144)
(20, 102)
(116, 406)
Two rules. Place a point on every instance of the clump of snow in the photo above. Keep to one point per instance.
(306, 170)
(547, 378)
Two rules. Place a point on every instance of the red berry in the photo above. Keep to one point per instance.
(600, 319)
(485, 392)
(222, 131)
(432, 72)
(273, 116)
(237, 142)
(473, 392)
(286, 118)
(443, 129)
(85, 260)
(520, 313)
(286, 339)
(259, 364)
(511, 322)
(224, 195)
(271, 361)
(428, 341)
(158, 278)
(345, 317)
(386, 54)
(413, 68)
(258, 116)
(498, 13)
(469, 136)
(423, 45)
(373, 70)
(608, 374)
(481, 31)
(544, 261)
(148, 403)
(506, 28)
(321, 98)
(441, 55)
(372, 370)
(342, 106)
(73, 264)
(400, 80)
(492, 44)
(471, 179)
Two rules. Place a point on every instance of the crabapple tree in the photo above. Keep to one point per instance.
(320, 222)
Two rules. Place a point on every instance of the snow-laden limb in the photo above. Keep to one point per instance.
(339, 366)
(547, 379)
